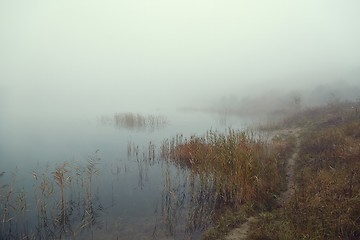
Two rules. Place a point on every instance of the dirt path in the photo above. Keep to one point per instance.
(290, 176)
(241, 232)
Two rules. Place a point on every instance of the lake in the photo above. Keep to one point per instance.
(90, 177)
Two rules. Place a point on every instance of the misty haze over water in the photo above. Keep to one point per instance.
(202, 64)
(103, 57)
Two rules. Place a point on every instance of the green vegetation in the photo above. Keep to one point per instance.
(326, 203)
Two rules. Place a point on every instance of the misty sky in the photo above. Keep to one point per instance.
(109, 55)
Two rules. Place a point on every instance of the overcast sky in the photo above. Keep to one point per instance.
(92, 54)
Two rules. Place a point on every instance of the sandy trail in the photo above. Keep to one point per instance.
(241, 232)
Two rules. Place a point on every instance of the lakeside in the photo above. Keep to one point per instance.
(321, 199)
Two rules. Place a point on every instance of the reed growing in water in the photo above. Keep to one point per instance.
(232, 168)
(64, 203)
(138, 121)
(62, 179)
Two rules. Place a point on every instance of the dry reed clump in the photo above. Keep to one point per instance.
(237, 168)
(138, 121)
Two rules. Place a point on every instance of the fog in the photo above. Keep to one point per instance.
(68, 57)
(99, 88)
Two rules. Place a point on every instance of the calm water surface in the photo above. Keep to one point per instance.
(134, 193)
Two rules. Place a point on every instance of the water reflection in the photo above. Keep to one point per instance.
(67, 201)
(135, 191)
(222, 171)
(187, 206)
(64, 203)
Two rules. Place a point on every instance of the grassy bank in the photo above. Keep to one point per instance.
(326, 203)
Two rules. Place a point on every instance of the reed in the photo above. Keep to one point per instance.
(64, 202)
(91, 171)
(234, 172)
(62, 179)
(89, 213)
(233, 166)
(174, 201)
(137, 121)
(14, 209)
(43, 192)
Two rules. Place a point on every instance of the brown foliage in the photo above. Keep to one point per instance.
(241, 168)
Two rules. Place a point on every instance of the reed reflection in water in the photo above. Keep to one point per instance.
(224, 171)
(64, 204)
(174, 189)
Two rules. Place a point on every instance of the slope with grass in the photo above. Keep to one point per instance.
(326, 202)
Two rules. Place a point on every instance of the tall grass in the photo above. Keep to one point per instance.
(228, 169)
